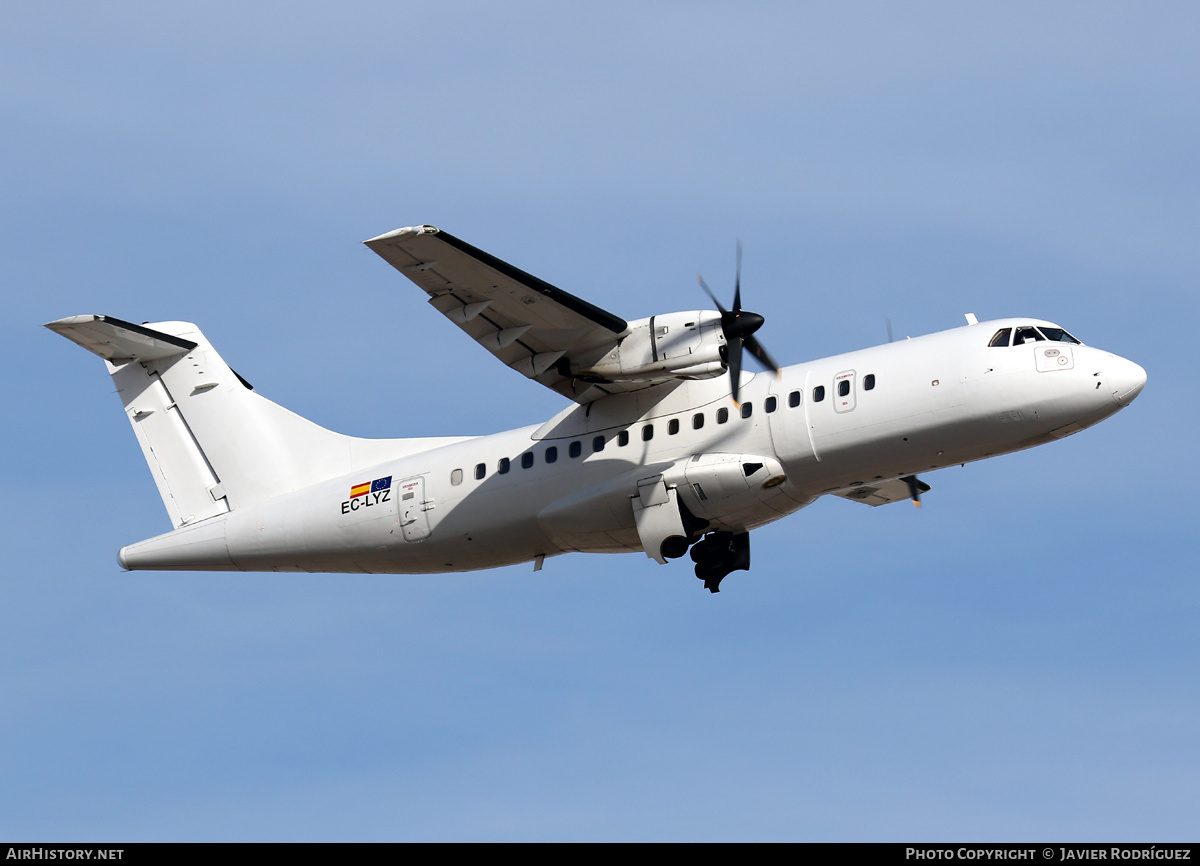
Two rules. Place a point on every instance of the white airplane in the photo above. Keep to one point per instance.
(659, 451)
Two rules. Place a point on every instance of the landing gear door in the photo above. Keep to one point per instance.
(657, 516)
(414, 508)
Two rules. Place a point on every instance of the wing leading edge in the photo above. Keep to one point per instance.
(536, 328)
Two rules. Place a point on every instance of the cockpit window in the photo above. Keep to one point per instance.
(1058, 335)
(1030, 334)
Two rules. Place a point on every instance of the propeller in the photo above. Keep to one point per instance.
(915, 488)
(738, 326)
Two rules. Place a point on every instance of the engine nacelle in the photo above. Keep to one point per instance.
(733, 490)
(670, 346)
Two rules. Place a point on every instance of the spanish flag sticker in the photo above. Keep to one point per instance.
(360, 489)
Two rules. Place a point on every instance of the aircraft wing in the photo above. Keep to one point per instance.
(533, 327)
(882, 492)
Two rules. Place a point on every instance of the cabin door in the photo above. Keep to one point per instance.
(414, 508)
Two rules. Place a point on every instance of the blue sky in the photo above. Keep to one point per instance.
(1016, 660)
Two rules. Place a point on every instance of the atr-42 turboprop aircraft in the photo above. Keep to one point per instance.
(660, 451)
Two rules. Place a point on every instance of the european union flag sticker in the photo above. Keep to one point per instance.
(381, 484)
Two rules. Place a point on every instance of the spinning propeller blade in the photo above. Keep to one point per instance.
(915, 488)
(738, 326)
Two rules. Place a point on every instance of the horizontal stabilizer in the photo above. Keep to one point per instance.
(116, 340)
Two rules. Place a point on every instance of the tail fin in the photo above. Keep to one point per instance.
(211, 442)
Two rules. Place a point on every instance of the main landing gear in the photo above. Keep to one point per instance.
(715, 554)
(718, 554)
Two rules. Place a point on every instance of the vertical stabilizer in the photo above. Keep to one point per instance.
(211, 442)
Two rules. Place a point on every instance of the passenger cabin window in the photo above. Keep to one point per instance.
(597, 444)
(647, 432)
(818, 393)
(1001, 338)
(456, 477)
(869, 382)
(722, 415)
(843, 387)
(503, 466)
(747, 410)
(697, 420)
(526, 459)
(672, 426)
(480, 471)
(793, 399)
(575, 449)
(551, 454)
(771, 404)
(623, 438)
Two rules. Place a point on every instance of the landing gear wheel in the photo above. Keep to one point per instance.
(712, 575)
(674, 547)
(703, 551)
(719, 554)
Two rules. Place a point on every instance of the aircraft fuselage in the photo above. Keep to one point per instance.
(591, 478)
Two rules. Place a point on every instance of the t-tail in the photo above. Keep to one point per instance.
(212, 443)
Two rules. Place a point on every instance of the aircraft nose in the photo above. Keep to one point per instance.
(1126, 379)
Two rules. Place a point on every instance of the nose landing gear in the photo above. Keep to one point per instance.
(718, 554)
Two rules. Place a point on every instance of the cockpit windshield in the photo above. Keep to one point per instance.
(1058, 335)
(1030, 334)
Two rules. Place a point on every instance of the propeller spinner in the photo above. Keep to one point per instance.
(738, 326)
